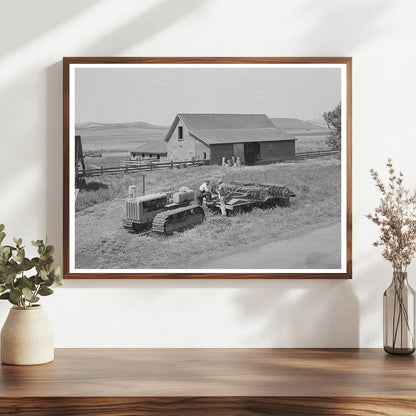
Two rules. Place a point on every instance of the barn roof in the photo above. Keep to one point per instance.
(225, 121)
(229, 128)
(219, 136)
(294, 126)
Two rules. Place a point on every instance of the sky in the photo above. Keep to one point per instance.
(156, 95)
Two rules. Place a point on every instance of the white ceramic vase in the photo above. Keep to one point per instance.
(27, 337)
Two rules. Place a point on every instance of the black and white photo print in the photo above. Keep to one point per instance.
(207, 168)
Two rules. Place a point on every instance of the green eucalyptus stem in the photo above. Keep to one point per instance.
(23, 280)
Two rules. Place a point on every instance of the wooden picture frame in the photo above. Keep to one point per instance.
(87, 90)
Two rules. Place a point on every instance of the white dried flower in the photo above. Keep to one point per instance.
(396, 217)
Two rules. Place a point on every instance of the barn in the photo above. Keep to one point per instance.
(251, 137)
(153, 150)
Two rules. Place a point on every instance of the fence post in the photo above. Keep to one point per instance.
(144, 184)
(102, 171)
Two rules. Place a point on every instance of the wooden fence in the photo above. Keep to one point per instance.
(136, 166)
(316, 154)
(130, 168)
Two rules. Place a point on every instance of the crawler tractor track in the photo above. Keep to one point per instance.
(180, 219)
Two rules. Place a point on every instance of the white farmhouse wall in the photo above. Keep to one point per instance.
(187, 148)
(181, 150)
(380, 35)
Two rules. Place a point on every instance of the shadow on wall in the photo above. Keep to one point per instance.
(140, 27)
(158, 17)
(347, 24)
(301, 313)
(38, 18)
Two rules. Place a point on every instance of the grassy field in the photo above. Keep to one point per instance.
(311, 143)
(116, 141)
(111, 157)
(119, 138)
(102, 243)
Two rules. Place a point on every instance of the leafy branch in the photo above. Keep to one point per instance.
(15, 285)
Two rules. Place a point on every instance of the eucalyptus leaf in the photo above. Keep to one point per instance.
(9, 277)
(45, 291)
(28, 294)
(21, 255)
(11, 248)
(5, 250)
(26, 264)
(49, 250)
(15, 294)
(43, 275)
(2, 226)
(15, 284)
(24, 282)
(58, 276)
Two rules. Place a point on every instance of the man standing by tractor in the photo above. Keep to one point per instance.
(203, 192)
(221, 194)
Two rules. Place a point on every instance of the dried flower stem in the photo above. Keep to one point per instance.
(396, 217)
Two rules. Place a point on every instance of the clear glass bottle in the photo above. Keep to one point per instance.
(399, 316)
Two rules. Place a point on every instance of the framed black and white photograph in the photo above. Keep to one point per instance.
(207, 167)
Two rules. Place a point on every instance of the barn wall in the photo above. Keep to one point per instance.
(186, 149)
(200, 149)
(218, 151)
(181, 150)
(272, 151)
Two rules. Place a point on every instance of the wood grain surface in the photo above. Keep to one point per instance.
(67, 61)
(212, 381)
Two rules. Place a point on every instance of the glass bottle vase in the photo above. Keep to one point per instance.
(399, 316)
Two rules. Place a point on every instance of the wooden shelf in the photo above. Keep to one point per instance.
(212, 382)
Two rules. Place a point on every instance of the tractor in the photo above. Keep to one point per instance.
(163, 213)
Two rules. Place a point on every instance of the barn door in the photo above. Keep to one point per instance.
(239, 151)
(251, 152)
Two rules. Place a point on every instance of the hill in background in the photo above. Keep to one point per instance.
(121, 137)
(298, 127)
(142, 136)
(94, 126)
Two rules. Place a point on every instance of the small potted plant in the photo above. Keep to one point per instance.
(27, 336)
(396, 218)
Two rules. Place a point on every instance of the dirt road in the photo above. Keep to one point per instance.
(317, 249)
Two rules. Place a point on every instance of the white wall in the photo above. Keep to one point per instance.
(380, 35)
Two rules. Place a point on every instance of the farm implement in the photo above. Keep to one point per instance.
(166, 213)
(241, 197)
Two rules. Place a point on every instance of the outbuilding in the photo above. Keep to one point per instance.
(251, 137)
(153, 150)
